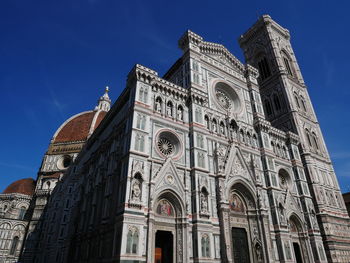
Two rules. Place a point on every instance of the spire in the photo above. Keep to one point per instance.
(104, 103)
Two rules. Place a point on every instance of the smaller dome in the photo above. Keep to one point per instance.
(23, 186)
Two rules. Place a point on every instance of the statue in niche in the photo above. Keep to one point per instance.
(215, 128)
(281, 213)
(180, 114)
(258, 252)
(204, 203)
(158, 106)
(313, 219)
(169, 111)
(136, 191)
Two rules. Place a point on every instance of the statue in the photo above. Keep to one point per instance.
(204, 203)
(180, 114)
(136, 191)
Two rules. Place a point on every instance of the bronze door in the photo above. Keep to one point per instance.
(240, 245)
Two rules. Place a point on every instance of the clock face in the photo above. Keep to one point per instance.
(223, 99)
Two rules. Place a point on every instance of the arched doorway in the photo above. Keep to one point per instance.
(245, 237)
(298, 240)
(168, 228)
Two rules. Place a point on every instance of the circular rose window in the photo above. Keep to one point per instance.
(168, 144)
(226, 96)
(165, 146)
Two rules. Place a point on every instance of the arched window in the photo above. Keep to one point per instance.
(143, 94)
(140, 121)
(206, 118)
(314, 138)
(303, 103)
(296, 98)
(287, 63)
(198, 115)
(308, 137)
(200, 141)
(139, 142)
(264, 69)
(268, 107)
(276, 102)
(14, 245)
(200, 157)
(205, 243)
(132, 241)
(22, 212)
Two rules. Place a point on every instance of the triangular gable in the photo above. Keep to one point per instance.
(236, 166)
(167, 178)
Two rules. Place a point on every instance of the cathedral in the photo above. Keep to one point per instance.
(216, 161)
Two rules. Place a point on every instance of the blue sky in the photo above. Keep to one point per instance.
(57, 56)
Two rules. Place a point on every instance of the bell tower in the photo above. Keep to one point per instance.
(287, 105)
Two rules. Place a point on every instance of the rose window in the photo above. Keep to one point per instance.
(223, 99)
(165, 146)
(168, 144)
(226, 96)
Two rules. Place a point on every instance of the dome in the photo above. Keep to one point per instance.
(23, 186)
(79, 127)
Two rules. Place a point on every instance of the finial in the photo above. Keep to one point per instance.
(107, 89)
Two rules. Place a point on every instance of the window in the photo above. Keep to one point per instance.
(195, 66)
(276, 102)
(139, 142)
(22, 212)
(268, 108)
(132, 241)
(314, 137)
(303, 103)
(198, 115)
(200, 141)
(264, 68)
(200, 157)
(205, 246)
(140, 121)
(14, 245)
(143, 94)
(296, 100)
(308, 137)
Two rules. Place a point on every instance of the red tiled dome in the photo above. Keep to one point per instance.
(23, 186)
(79, 127)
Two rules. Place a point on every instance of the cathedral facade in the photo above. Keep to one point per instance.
(216, 161)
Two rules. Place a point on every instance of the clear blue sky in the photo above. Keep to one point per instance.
(57, 56)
